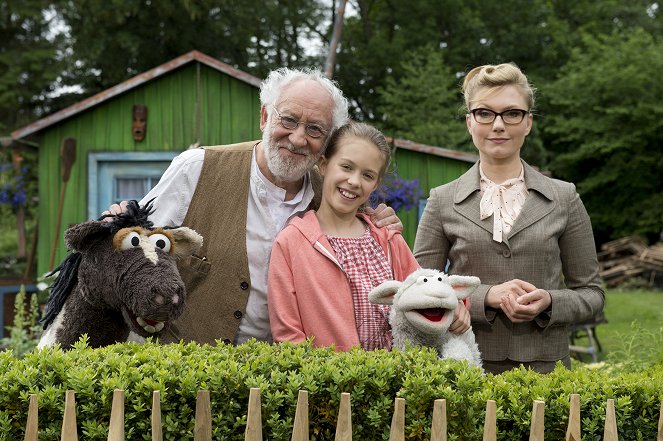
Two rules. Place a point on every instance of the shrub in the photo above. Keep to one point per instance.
(374, 379)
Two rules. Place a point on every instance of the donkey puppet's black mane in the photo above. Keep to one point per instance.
(135, 216)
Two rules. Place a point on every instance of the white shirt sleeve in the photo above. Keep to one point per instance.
(172, 194)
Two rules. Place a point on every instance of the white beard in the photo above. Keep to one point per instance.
(288, 169)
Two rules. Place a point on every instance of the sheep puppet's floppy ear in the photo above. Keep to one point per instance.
(384, 293)
(463, 285)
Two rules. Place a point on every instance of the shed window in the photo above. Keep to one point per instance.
(127, 188)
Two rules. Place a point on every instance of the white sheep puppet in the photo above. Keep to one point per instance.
(422, 308)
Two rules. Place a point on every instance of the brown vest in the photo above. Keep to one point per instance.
(217, 278)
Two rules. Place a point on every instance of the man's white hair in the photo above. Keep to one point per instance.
(272, 87)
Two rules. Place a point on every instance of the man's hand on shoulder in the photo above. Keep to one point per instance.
(384, 216)
(114, 210)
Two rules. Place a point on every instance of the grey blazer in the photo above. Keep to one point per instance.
(551, 245)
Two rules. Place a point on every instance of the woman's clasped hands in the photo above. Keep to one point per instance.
(519, 300)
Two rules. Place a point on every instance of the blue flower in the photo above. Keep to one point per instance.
(396, 192)
(13, 187)
(18, 199)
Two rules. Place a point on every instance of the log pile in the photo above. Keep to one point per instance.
(629, 257)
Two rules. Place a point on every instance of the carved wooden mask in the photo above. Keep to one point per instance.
(139, 125)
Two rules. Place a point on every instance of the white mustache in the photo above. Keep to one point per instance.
(292, 149)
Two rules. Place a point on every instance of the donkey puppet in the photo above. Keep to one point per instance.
(120, 281)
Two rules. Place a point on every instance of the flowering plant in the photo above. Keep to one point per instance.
(396, 192)
(12, 185)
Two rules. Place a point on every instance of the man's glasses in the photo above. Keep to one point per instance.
(487, 116)
(290, 123)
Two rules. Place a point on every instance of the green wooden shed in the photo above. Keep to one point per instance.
(191, 100)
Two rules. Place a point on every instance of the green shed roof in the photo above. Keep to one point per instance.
(193, 56)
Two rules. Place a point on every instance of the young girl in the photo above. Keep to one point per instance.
(324, 264)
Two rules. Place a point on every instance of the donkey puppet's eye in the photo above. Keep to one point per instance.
(131, 240)
(160, 241)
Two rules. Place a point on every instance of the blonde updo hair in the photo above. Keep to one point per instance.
(490, 78)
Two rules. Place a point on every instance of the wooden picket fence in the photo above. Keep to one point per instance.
(253, 432)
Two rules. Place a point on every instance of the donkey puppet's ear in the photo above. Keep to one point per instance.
(463, 285)
(187, 241)
(384, 293)
(82, 236)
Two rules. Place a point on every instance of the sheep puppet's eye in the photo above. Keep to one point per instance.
(131, 240)
(160, 241)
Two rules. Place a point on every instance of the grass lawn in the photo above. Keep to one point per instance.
(623, 310)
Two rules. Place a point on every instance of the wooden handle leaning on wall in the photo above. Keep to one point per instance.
(67, 159)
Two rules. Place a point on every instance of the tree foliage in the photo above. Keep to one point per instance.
(538, 35)
(425, 104)
(606, 120)
(30, 60)
(115, 41)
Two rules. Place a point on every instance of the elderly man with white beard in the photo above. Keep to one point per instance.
(238, 197)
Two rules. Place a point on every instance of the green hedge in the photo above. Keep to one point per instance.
(374, 379)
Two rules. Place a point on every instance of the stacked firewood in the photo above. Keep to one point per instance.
(629, 257)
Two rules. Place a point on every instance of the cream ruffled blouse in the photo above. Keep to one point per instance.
(503, 201)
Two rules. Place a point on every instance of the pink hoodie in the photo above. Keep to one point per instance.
(309, 294)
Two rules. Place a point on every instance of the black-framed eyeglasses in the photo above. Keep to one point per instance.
(487, 116)
(290, 123)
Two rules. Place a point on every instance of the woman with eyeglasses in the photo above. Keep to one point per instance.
(526, 236)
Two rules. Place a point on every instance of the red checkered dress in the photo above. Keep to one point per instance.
(366, 266)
